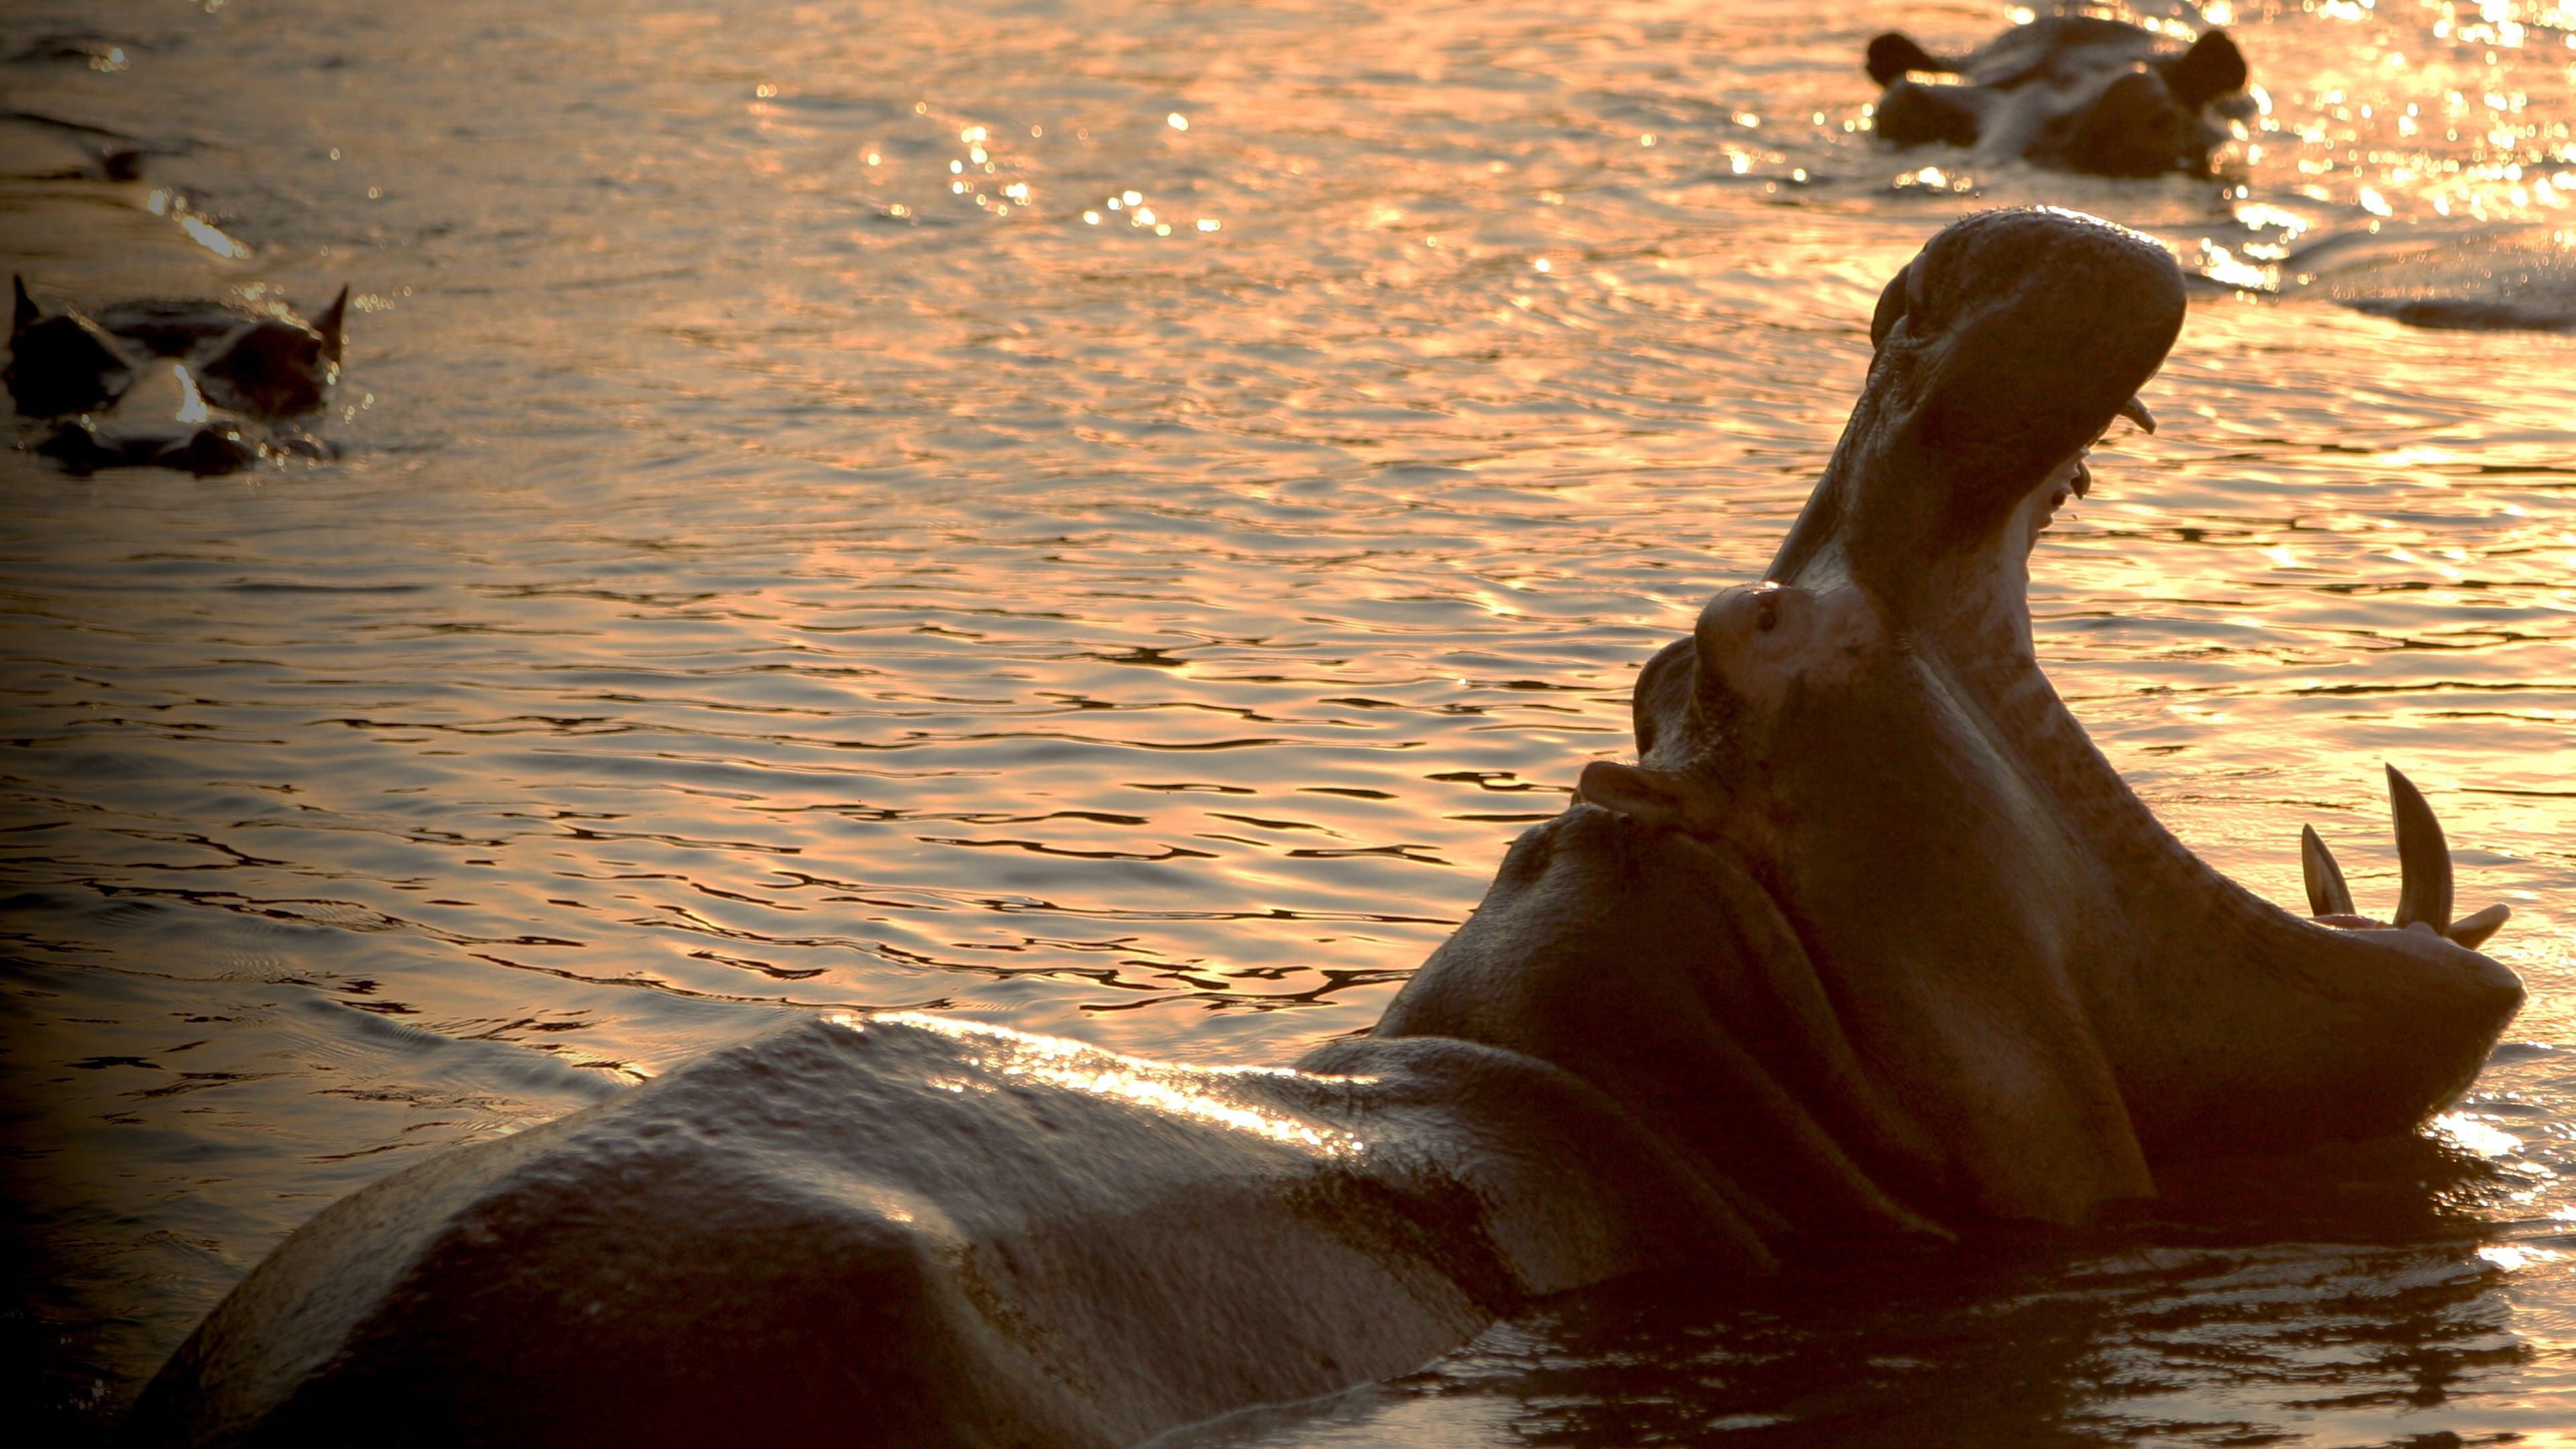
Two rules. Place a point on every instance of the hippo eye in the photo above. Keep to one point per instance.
(65, 364)
(1766, 613)
(276, 369)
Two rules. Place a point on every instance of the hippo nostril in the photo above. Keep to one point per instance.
(78, 447)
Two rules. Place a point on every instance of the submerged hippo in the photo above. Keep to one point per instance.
(1871, 942)
(203, 386)
(2075, 92)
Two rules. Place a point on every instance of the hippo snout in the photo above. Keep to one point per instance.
(162, 420)
(81, 447)
(2133, 128)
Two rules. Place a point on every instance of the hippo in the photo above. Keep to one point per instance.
(202, 386)
(2072, 92)
(1868, 945)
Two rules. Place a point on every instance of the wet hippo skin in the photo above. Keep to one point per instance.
(2074, 92)
(1870, 942)
(201, 386)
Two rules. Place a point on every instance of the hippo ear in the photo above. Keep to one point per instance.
(328, 324)
(1912, 114)
(26, 314)
(2213, 67)
(1647, 796)
(1893, 54)
(1894, 300)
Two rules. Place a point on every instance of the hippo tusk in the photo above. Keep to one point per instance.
(2136, 411)
(2426, 871)
(2423, 857)
(2327, 894)
(2472, 930)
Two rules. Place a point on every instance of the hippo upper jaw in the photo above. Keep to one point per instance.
(2002, 351)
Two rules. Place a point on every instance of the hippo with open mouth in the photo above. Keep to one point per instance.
(1870, 942)
(2074, 92)
(202, 386)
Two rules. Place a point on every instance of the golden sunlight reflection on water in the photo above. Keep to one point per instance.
(1104, 518)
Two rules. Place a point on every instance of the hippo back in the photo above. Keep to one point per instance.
(921, 1232)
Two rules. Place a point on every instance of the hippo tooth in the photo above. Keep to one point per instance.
(2327, 894)
(2423, 858)
(2136, 411)
(2471, 930)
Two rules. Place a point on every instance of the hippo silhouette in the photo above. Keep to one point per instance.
(2074, 92)
(202, 386)
(1870, 943)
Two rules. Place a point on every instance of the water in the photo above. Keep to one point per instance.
(763, 576)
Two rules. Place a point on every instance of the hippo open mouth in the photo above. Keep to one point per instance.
(2066, 998)
(201, 386)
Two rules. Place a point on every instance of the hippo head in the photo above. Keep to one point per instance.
(1868, 840)
(2147, 119)
(197, 386)
(2074, 92)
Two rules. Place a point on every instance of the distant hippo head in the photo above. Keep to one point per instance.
(2073, 92)
(202, 386)
(2010, 990)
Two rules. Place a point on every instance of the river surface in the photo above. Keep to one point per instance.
(1106, 516)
